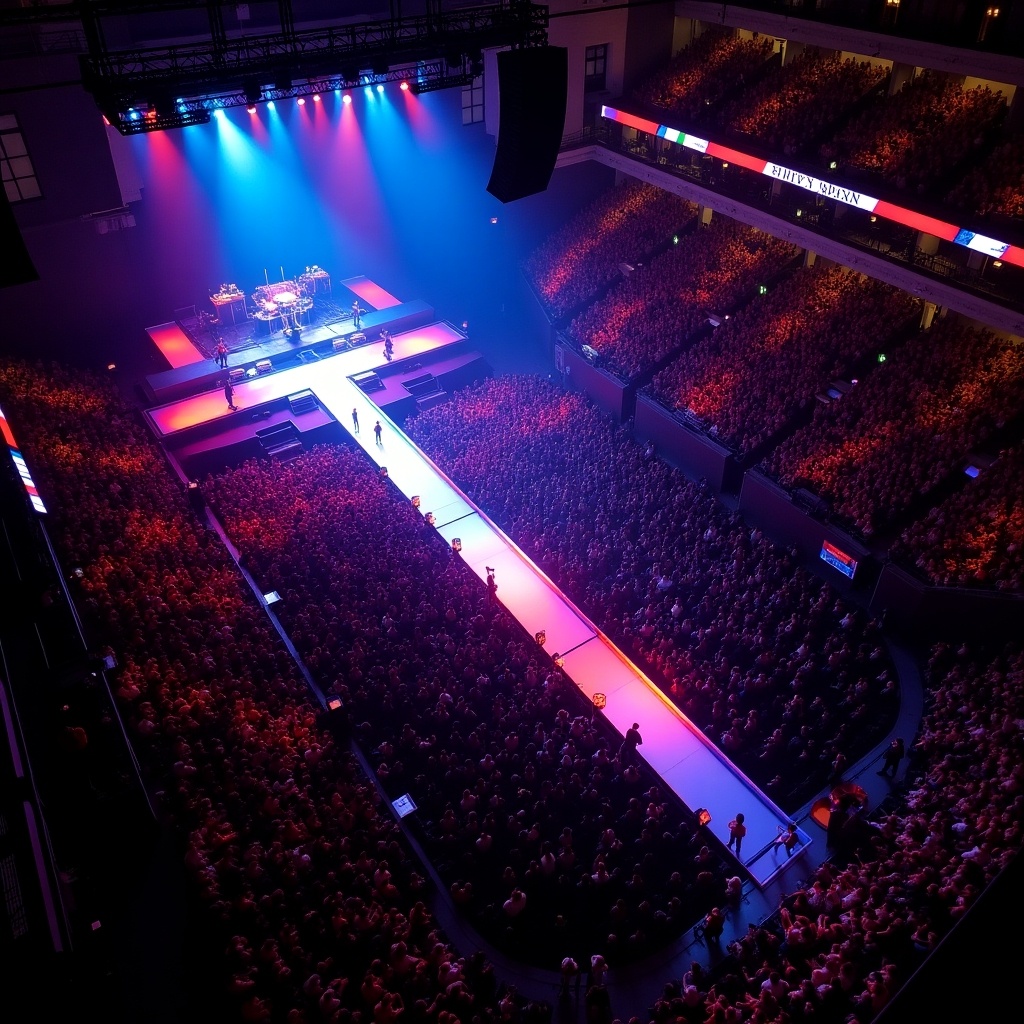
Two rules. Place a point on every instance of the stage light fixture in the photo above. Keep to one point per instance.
(346, 99)
(404, 87)
(251, 108)
(380, 87)
(271, 105)
(316, 97)
(301, 101)
(368, 90)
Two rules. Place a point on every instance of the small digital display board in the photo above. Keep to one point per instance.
(838, 559)
(404, 805)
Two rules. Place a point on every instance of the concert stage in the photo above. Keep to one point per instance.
(189, 377)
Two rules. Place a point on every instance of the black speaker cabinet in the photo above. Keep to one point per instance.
(16, 266)
(532, 89)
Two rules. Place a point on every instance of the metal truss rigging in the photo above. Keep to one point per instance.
(157, 87)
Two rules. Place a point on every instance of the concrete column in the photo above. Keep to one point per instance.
(901, 74)
(792, 51)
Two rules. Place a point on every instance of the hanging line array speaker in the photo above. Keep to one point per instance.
(532, 89)
(16, 267)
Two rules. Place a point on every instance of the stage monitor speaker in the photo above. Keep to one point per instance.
(532, 88)
(16, 267)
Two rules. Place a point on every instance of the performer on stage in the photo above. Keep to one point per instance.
(357, 312)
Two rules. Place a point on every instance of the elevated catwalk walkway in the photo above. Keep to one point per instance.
(675, 748)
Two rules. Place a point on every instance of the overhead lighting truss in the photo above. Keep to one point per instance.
(156, 88)
(427, 76)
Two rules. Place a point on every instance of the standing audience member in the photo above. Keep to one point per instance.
(632, 740)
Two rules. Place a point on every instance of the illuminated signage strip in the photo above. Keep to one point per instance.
(20, 464)
(831, 555)
(820, 186)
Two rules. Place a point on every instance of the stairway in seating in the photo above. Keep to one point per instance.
(368, 381)
(281, 441)
(302, 401)
(429, 401)
(426, 390)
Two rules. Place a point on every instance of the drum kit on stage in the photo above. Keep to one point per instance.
(280, 305)
(287, 301)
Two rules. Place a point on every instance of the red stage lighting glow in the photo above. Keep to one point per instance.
(302, 101)
(316, 97)
(251, 108)
(404, 87)
(346, 99)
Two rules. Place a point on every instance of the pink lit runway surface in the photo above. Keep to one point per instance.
(372, 294)
(675, 748)
(175, 345)
(254, 391)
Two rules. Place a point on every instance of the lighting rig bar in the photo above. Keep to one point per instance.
(181, 82)
(427, 76)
